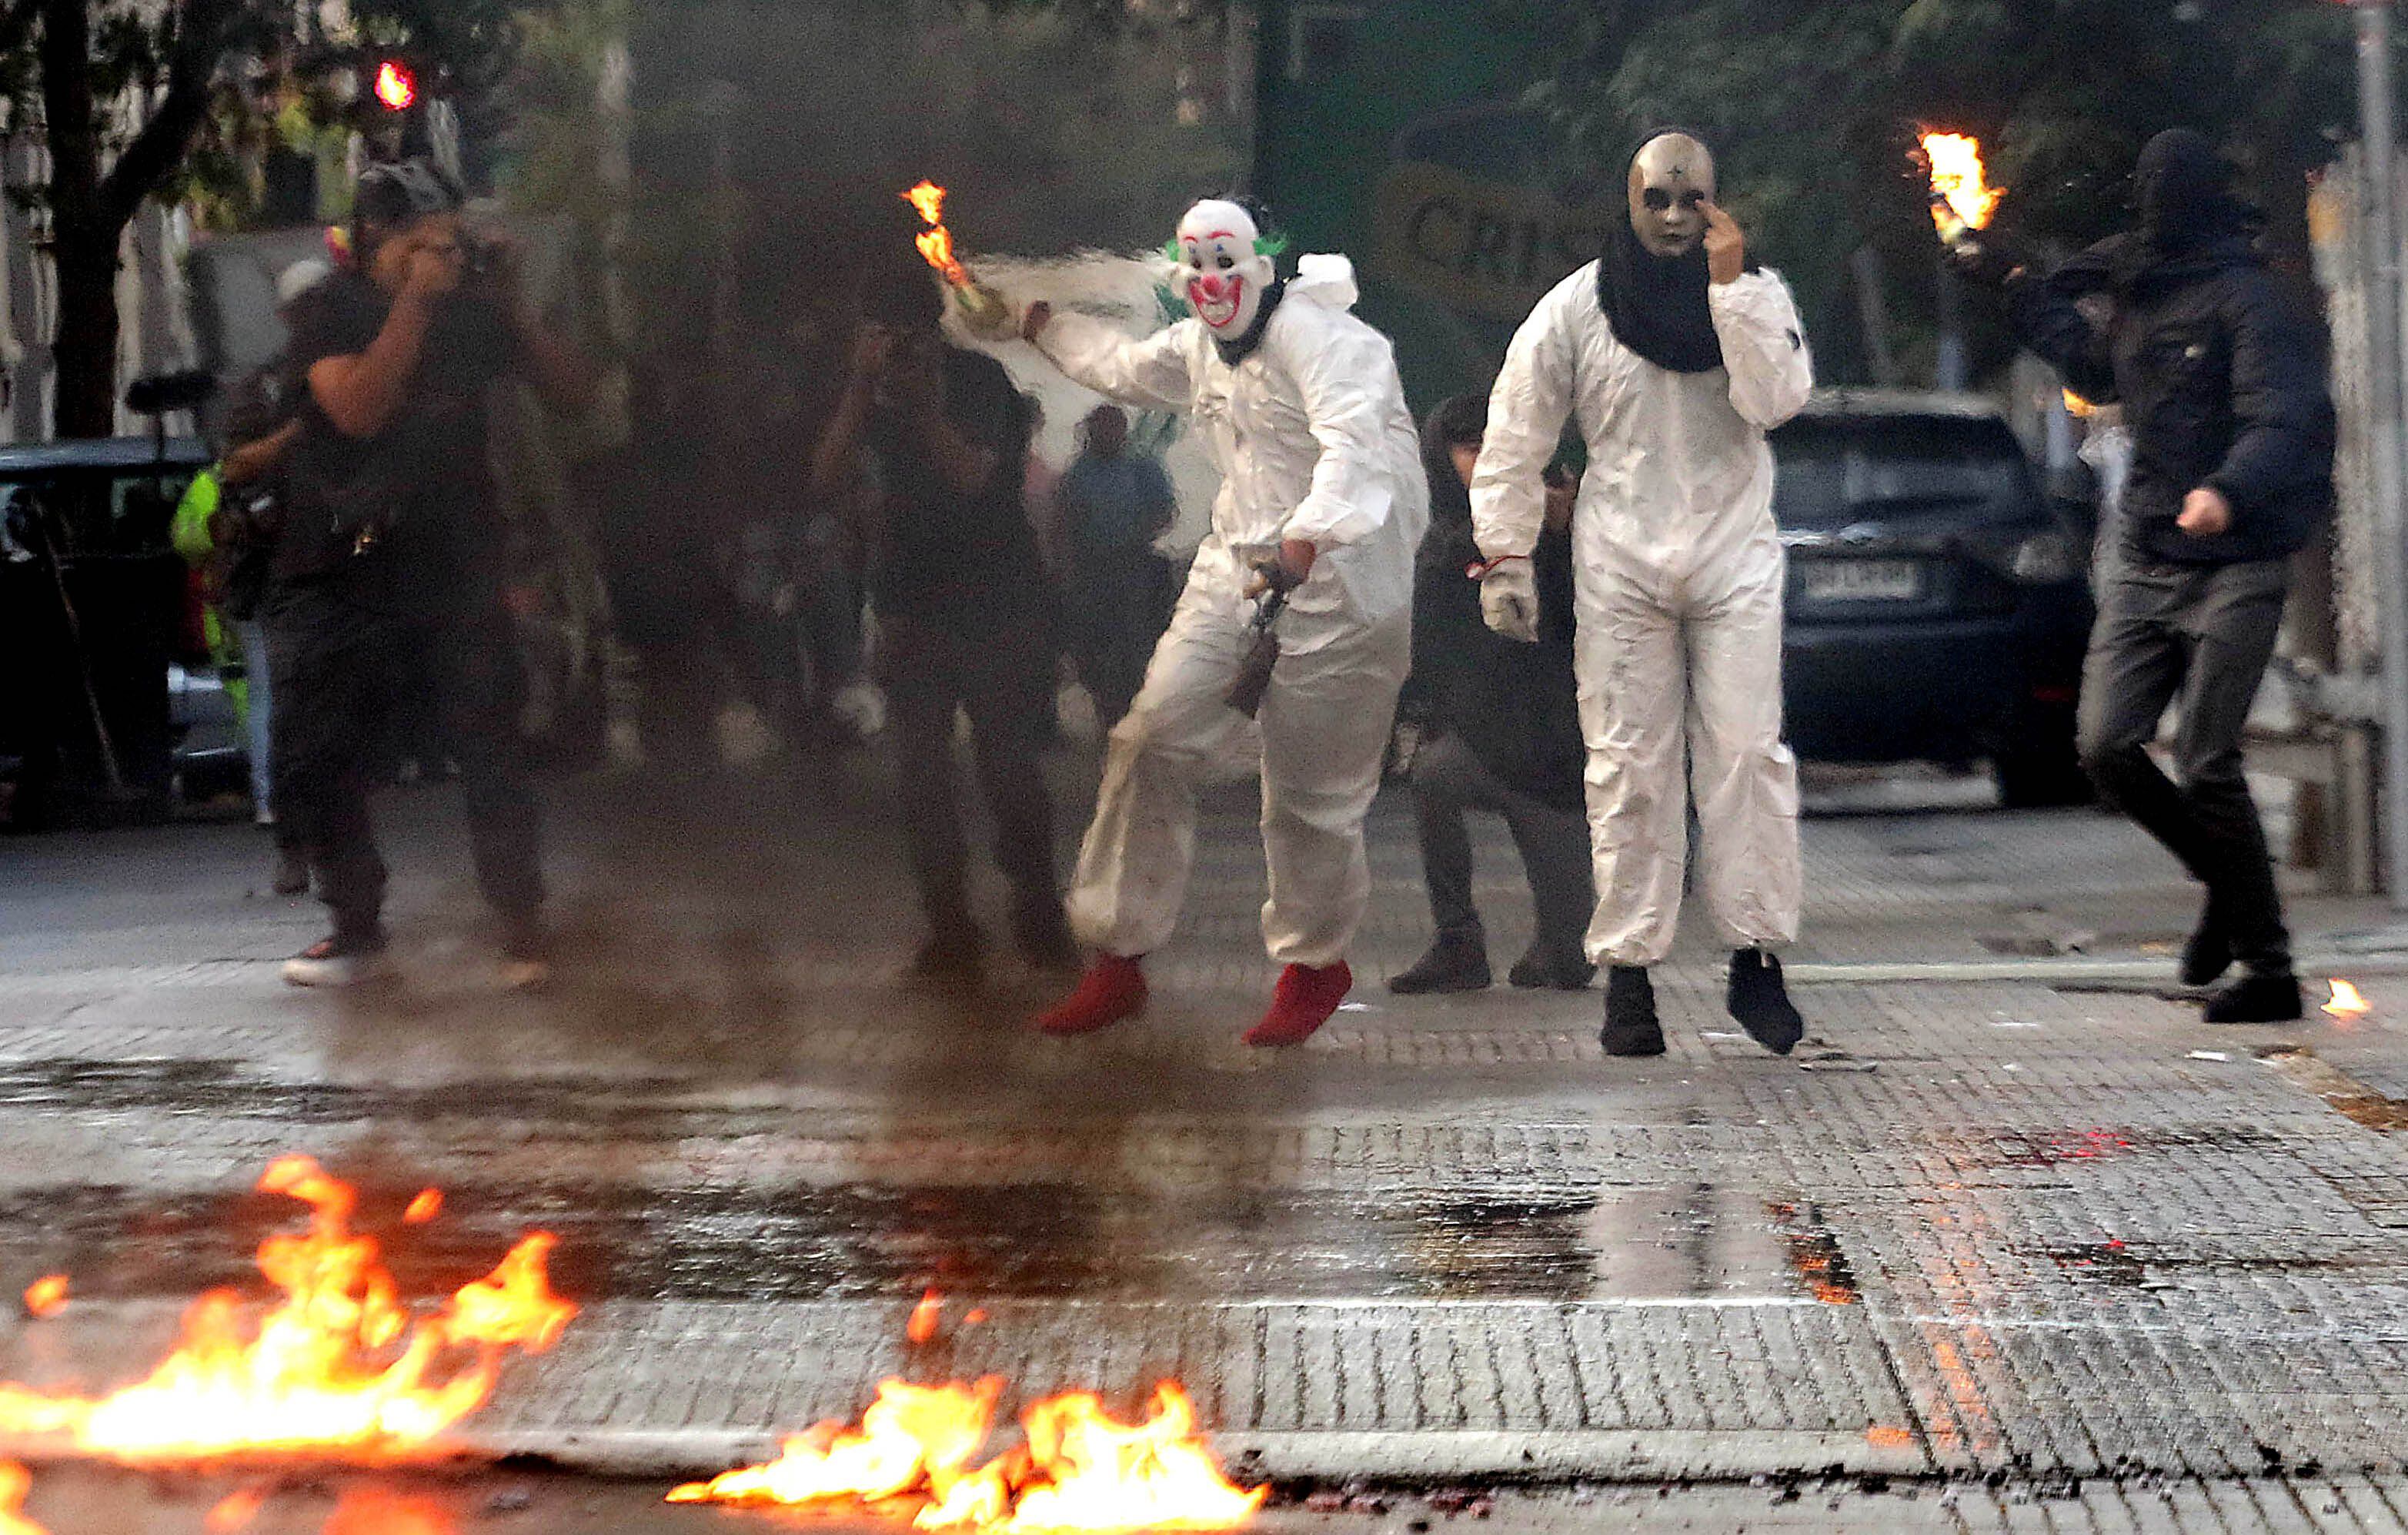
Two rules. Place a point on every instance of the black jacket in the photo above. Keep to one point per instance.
(2221, 375)
(1514, 705)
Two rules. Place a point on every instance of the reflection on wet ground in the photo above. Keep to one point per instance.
(856, 1241)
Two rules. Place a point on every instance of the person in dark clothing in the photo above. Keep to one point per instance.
(387, 576)
(1500, 723)
(961, 601)
(1115, 502)
(2220, 372)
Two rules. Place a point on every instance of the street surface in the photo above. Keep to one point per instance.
(2013, 1242)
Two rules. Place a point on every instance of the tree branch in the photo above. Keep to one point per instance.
(70, 127)
(167, 137)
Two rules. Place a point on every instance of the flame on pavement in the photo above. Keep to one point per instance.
(1079, 1467)
(922, 1329)
(424, 1208)
(236, 1511)
(373, 1510)
(338, 1363)
(15, 1482)
(2348, 1001)
(1960, 184)
(47, 1296)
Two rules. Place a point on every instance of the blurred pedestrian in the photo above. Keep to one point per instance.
(1500, 732)
(961, 602)
(1115, 501)
(2220, 373)
(390, 563)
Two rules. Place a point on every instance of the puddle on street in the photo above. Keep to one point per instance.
(816, 1244)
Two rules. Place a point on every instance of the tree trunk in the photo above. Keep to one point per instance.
(86, 346)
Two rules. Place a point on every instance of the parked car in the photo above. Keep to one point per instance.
(92, 603)
(1937, 607)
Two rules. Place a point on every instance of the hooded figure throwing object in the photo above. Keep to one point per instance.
(2220, 372)
(1678, 360)
(1322, 494)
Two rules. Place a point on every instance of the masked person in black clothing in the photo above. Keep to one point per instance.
(961, 602)
(2221, 376)
(1503, 730)
(390, 559)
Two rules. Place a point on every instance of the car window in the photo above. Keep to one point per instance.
(1832, 469)
(94, 513)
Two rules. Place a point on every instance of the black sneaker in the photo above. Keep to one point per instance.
(2256, 999)
(1630, 1026)
(2208, 952)
(292, 874)
(1452, 965)
(1044, 937)
(1759, 999)
(1549, 969)
(338, 964)
(527, 957)
(953, 959)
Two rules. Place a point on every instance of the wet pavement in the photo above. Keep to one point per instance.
(2015, 1228)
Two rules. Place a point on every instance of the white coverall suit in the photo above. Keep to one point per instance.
(1313, 440)
(1679, 598)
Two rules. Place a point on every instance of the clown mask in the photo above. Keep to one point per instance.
(1226, 265)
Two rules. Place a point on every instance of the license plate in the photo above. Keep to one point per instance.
(1862, 581)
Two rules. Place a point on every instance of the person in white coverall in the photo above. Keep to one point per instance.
(1323, 495)
(1678, 359)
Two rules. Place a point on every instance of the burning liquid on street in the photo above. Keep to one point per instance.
(1078, 1468)
(1962, 197)
(14, 1482)
(2347, 1002)
(47, 1296)
(340, 1363)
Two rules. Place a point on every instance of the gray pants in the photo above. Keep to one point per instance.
(1449, 779)
(2199, 636)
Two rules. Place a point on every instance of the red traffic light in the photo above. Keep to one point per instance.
(395, 86)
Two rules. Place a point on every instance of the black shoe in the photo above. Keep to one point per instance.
(292, 876)
(951, 959)
(1550, 969)
(526, 955)
(2209, 952)
(1631, 1027)
(1044, 937)
(1451, 963)
(2256, 999)
(1759, 999)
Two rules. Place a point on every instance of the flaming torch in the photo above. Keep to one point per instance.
(1962, 198)
(987, 313)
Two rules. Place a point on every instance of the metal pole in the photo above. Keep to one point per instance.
(2383, 399)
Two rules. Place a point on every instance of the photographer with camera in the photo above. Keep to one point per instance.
(962, 599)
(388, 573)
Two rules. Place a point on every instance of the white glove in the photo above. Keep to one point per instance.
(1509, 600)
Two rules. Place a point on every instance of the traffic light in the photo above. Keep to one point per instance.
(395, 86)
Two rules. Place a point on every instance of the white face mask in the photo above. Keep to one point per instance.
(1224, 270)
(1671, 182)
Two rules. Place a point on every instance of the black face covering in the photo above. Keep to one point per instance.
(1238, 350)
(2181, 189)
(1658, 306)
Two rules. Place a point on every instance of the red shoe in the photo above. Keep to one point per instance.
(1112, 988)
(1302, 1001)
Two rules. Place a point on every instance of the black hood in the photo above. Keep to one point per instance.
(1657, 305)
(2183, 191)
